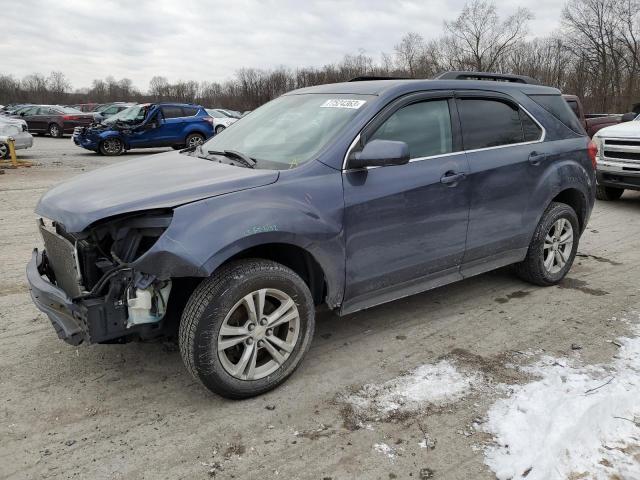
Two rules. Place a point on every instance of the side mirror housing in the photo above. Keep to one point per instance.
(380, 153)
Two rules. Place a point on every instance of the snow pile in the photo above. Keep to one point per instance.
(575, 422)
(428, 385)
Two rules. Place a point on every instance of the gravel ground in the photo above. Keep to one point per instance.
(132, 411)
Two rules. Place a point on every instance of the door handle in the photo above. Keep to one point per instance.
(452, 178)
(535, 158)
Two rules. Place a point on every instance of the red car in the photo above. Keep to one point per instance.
(54, 119)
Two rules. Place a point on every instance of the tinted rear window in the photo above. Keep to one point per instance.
(489, 123)
(172, 112)
(558, 107)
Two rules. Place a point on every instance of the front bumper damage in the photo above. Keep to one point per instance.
(117, 305)
(102, 319)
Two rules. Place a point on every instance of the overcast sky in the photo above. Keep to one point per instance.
(207, 40)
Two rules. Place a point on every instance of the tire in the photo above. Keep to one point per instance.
(111, 147)
(545, 243)
(4, 151)
(219, 301)
(608, 194)
(219, 129)
(193, 140)
(54, 130)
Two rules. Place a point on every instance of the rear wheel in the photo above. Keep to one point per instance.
(553, 247)
(4, 150)
(608, 193)
(111, 147)
(194, 139)
(219, 129)
(246, 328)
(55, 130)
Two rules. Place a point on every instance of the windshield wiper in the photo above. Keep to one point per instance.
(245, 159)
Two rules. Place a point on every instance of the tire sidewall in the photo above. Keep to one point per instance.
(205, 352)
(552, 216)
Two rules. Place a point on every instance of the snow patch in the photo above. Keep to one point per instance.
(428, 385)
(385, 450)
(574, 422)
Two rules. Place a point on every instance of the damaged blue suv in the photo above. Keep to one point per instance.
(148, 125)
(349, 195)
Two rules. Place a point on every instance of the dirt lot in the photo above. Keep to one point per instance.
(133, 411)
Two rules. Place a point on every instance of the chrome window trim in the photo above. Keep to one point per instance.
(542, 138)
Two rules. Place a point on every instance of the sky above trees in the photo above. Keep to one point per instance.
(209, 41)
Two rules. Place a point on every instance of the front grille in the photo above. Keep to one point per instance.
(623, 152)
(622, 155)
(61, 256)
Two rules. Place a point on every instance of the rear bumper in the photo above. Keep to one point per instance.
(23, 140)
(65, 315)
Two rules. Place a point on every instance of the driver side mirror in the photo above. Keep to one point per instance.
(380, 153)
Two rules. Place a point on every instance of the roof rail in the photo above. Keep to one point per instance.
(495, 77)
(367, 78)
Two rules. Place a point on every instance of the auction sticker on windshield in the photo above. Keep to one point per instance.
(343, 103)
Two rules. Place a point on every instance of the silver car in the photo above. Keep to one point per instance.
(16, 129)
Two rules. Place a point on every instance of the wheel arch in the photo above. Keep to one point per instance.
(292, 256)
(576, 200)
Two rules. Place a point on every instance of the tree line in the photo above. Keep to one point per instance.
(595, 54)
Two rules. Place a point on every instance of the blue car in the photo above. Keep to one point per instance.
(147, 125)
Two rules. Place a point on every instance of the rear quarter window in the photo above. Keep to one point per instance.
(558, 107)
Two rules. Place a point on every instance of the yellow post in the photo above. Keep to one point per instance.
(15, 163)
(12, 151)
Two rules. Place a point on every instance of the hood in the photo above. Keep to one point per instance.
(160, 181)
(623, 130)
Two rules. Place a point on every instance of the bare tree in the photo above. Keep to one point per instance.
(478, 39)
(409, 51)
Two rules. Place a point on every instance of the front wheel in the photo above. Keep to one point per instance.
(608, 193)
(111, 147)
(4, 151)
(219, 129)
(553, 247)
(246, 328)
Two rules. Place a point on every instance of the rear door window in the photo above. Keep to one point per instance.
(489, 123)
(425, 127)
(172, 112)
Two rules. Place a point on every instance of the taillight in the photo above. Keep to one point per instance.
(71, 117)
(209, 119)
(592, 149)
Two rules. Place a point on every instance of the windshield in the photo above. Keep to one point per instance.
(289, 130)
(135, 114)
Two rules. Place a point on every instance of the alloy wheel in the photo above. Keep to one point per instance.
(558, 245)
(112, 145)
(54, 130)
(258, 334)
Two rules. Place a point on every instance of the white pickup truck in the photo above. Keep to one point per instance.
(618, 159)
